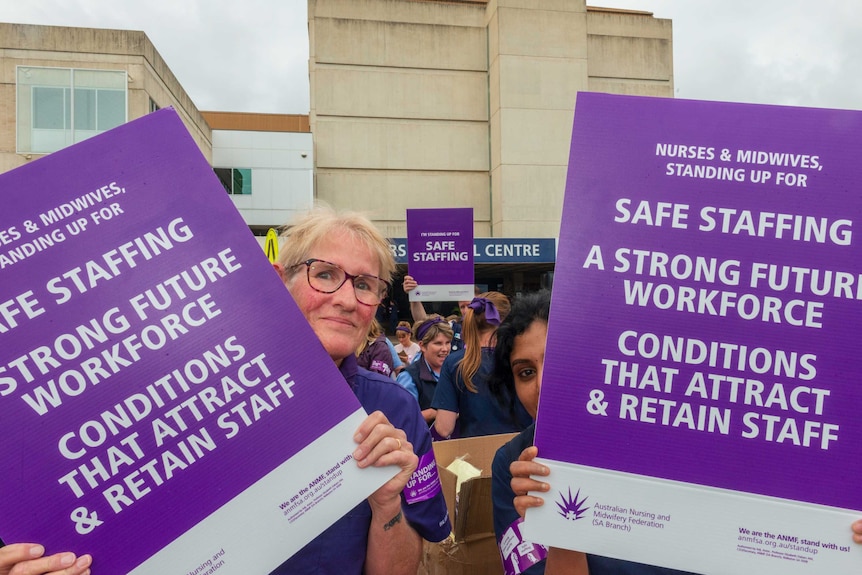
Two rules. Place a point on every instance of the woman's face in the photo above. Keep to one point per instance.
(528, 355)
(338, 319)
(403, 338)
(436, 350)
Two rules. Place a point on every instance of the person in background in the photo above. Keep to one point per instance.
(398, 364)
(420, 377)
(387, 313)
(519, 358)
(405, 343)
(373, 353)
(462, 396)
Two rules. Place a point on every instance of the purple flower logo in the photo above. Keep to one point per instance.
(570, 507)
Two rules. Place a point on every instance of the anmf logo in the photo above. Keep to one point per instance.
(572, 508)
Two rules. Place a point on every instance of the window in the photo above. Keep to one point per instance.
(235, 180)
(50, 108)
(61, 106)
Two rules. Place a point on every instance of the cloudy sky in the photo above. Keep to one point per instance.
(252, 55)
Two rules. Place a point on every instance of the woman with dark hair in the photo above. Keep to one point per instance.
(519, 356)
(462, 396)
(526, 310)
(518, 359)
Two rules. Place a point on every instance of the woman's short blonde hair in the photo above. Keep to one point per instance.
(303, 234)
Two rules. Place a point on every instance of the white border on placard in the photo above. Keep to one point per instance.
(443, 292)
(690, 527)
(254, 533)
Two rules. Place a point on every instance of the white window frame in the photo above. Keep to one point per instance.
(70, 135)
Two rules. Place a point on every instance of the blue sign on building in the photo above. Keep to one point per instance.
(497, 250)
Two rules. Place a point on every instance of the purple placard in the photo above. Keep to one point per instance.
(153, 365)
(699, 395)
(440, 253)
(671, 238)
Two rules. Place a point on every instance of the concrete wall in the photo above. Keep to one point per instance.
(538, 64)
(63, 47)
(400, 107)
(425, 103)
(630, 53)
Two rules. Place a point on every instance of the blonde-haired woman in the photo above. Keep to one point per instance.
(465, 407)
(337, 267)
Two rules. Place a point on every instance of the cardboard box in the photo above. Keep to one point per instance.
(475, 557)
(472, 549)
(471, 511)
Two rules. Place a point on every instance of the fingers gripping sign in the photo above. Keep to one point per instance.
(381, 444)
(409, 284)
(523, 483)
(30, 559)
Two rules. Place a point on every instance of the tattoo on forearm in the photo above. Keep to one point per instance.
(389, 524)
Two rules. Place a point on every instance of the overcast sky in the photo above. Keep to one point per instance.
(252, 55)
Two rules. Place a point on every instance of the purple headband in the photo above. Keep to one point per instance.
(423, 329)
(402, 328)
(486, 306)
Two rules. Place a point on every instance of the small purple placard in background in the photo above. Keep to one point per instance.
(440, 253)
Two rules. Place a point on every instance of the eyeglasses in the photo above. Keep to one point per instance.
(326, 277)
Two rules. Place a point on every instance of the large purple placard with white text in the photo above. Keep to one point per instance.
(707, 306)
(153, 365)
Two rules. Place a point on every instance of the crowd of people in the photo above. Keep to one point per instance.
(477, 374)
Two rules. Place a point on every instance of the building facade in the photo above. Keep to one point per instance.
(414, 104)
(427, 103)
(60, 85)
